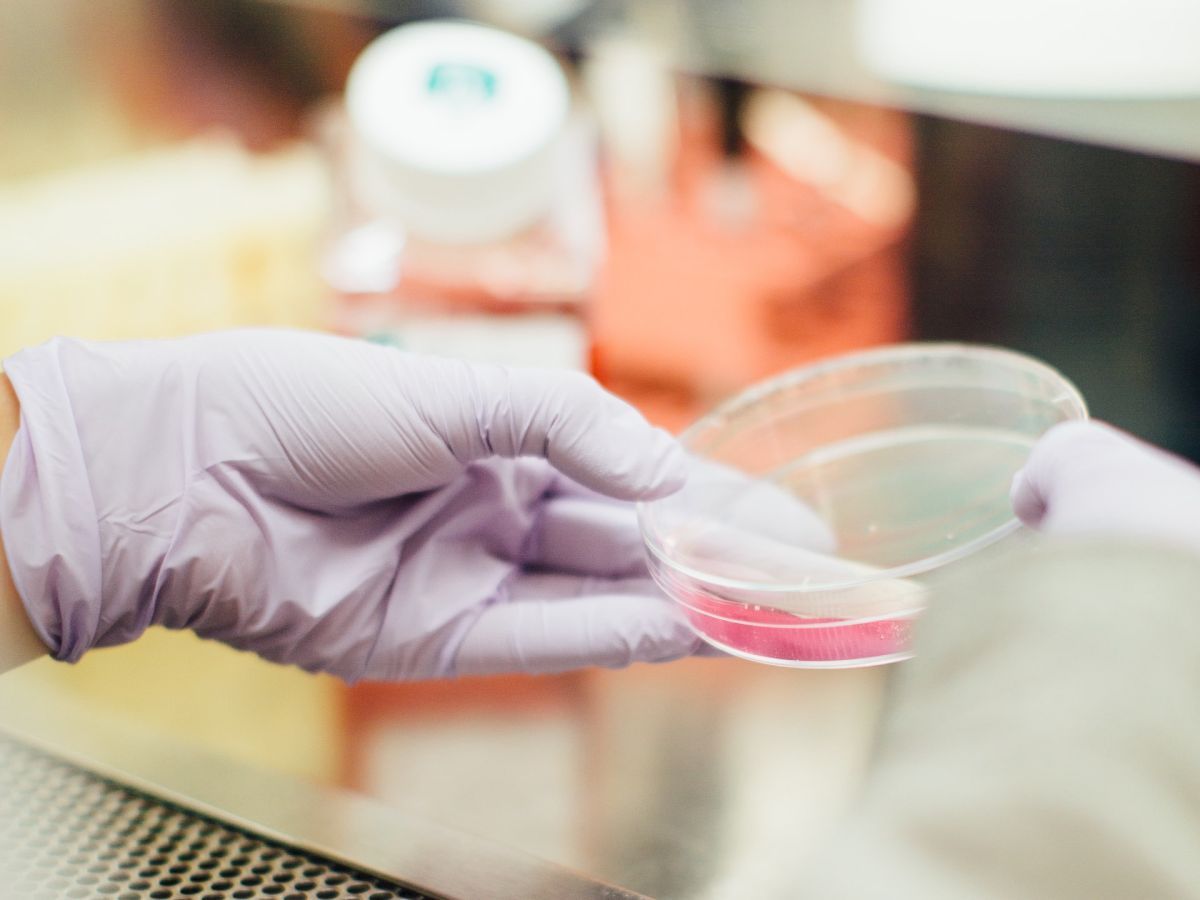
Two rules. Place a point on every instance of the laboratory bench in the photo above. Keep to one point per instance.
(704, 779)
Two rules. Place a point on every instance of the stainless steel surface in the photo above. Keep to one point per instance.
(115, 791)
(68, 832)
(707, 779)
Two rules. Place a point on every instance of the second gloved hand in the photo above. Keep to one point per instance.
(333, 504)
(1087, 478)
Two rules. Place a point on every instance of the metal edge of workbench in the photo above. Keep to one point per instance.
(341, 826)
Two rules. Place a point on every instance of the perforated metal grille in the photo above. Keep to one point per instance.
(68, 833)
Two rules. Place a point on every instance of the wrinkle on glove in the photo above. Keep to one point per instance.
(53, 547)
(333, 504)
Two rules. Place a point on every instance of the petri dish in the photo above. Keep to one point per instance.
(820, 501)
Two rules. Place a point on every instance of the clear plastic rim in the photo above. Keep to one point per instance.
(865, 662)
(890, 353)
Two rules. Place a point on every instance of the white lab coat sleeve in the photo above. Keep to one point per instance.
(1044, 742)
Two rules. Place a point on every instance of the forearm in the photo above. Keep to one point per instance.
(19, 643)
(1044, 742)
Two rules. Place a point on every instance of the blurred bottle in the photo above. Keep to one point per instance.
(467, 214)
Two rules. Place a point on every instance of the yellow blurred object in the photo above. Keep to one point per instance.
(190, 238)
(200, 692)
(195, 237)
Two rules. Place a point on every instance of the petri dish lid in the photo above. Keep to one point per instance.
(874, 466)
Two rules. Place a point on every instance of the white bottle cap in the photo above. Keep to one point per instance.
(457, 126)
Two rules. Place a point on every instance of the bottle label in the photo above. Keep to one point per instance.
(461, 85)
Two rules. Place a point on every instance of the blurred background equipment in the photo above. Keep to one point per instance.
(716, 192)
(185, 238)
(468, 218)
(1099, 49)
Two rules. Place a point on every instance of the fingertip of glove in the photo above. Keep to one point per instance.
(1063, 444)
(669, 472)
(630, 463)
(1027, 504)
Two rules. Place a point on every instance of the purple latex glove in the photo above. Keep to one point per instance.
(1089, 478)
(333, 504)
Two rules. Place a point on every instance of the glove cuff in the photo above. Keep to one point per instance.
(47, 512)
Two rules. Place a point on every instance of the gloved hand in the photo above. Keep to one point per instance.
(333, 504)
(1089, 478)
